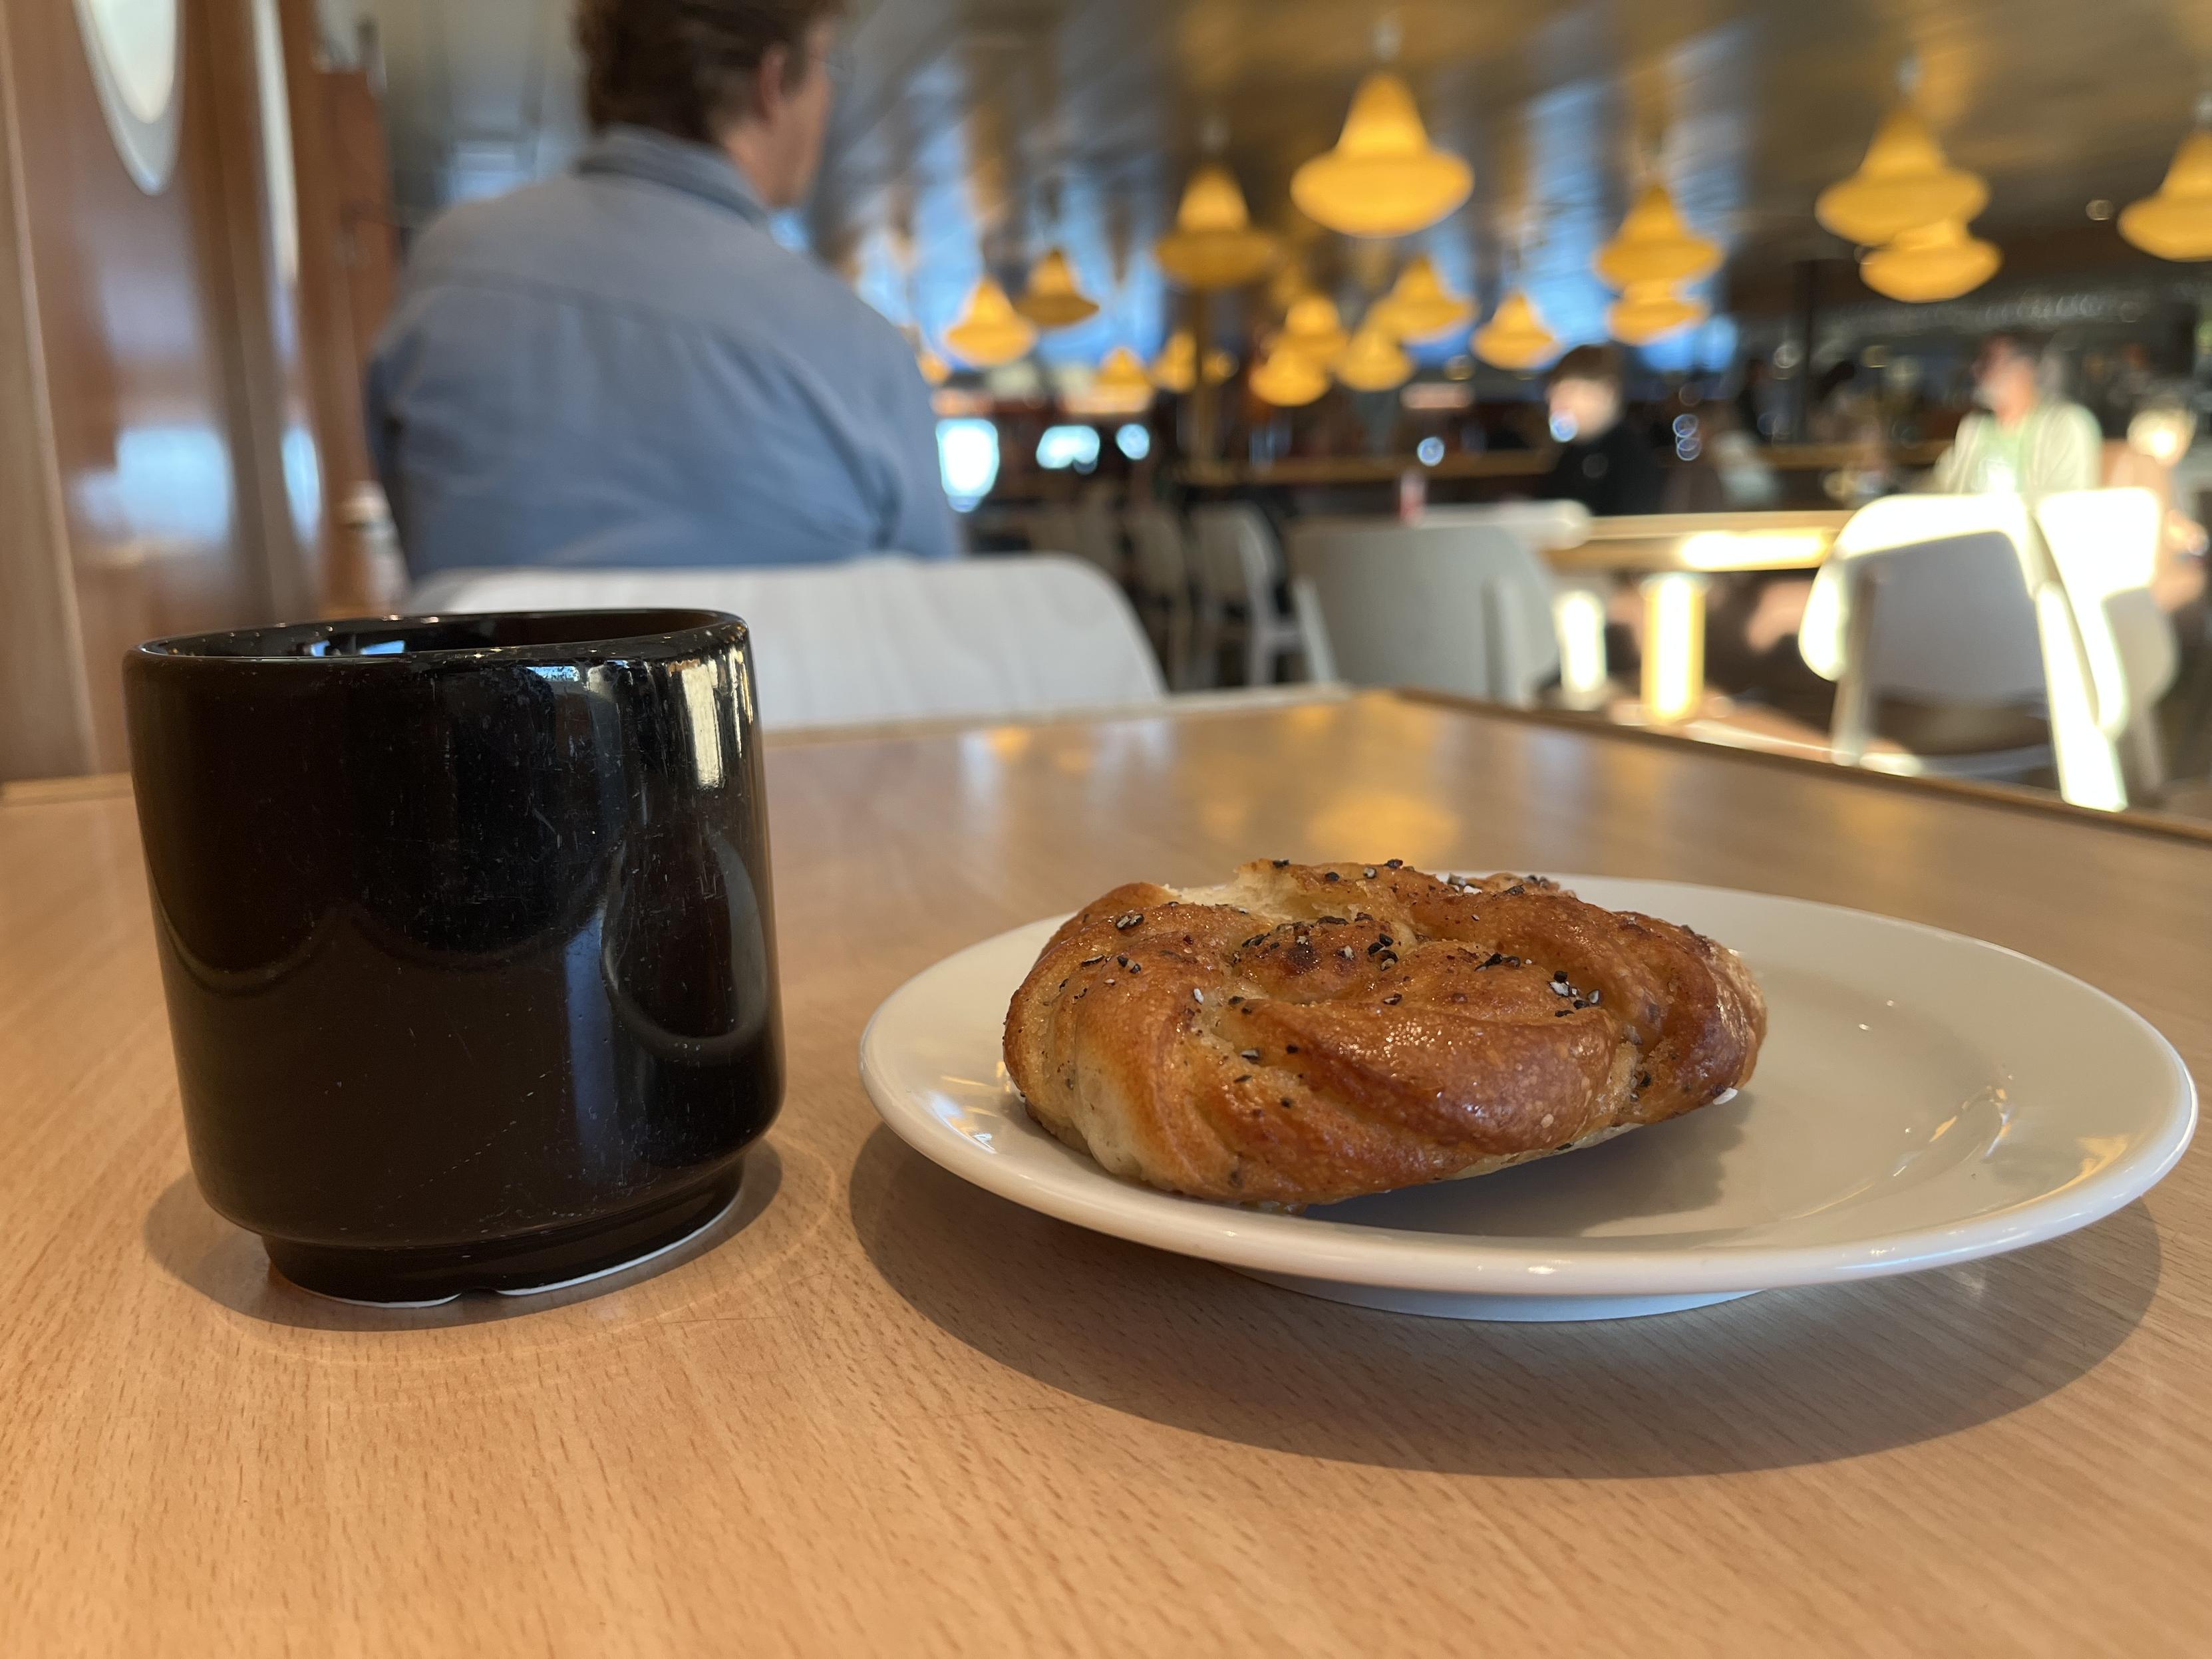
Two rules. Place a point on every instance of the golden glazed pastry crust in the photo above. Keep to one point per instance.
(1312, 1032)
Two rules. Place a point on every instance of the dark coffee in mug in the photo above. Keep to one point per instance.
(465, 930)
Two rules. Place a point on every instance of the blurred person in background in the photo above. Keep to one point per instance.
(1604, 462)
(2163, 428)
(2025, 438)
(622, 366)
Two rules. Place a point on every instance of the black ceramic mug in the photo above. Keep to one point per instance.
(465, 930)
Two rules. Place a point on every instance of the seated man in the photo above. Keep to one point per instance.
(622, 366)
(1603, 462)
(2023, 440)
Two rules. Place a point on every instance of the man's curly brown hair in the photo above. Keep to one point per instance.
(683, 67)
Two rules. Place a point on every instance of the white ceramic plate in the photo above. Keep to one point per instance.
(1922, 1098)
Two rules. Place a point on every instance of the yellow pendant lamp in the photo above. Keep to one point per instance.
(1313, 329)
(1419, 306)
(1651, 311)
(1288, 378)
(990, 332)
(934, 369)
(1383, 178)
(1515, 337)
(1119, 387)
(1213, 245)
(1373, 362)
(1176, 369)
(1933, 262)
(1053, 299)
(2176, 223)
(1655, 246)
(1904, 183)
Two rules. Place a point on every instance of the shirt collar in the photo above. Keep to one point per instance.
(698, 170)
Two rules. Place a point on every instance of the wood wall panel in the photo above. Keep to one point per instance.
(45, 711)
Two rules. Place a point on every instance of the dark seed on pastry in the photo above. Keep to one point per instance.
(1397, 864)
(1246, 1078)
(1369, 872)
(1248, 1054)
(1515, 891)
(1392, 1000)
(1459, 996)
(1126, 922)
(1561, 1014)
(1346, 953)
(1332, 876)
(1332, 921)
(1282, 864)
(1289, 1047)
(1512, 962)
(1122, 960)
(1287, 1103)
(1560, 975)
(1092, 962)
(1136, 967)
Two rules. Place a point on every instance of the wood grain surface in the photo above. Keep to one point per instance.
(881, 1413)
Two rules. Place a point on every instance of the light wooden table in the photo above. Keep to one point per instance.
(886, 1413)
(1673, 557)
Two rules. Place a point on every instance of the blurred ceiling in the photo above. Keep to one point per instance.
(975, 132)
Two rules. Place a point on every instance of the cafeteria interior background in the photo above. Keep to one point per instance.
(1293, 454)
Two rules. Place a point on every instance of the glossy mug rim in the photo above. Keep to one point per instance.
(650, 631)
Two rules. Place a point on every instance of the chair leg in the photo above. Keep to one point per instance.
(1259, 653)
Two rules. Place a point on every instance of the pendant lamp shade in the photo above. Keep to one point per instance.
(1119, 387)
(990, 332)
(1213, 245)
(1515, 337)
(1934, 262)
(1904, 183)
(1651, 311)
(1419, 306)
(1053, 299)
(1655, 246)
(1176, 369)
(1287, 378)
(2176, 223)
(1383, 178)
(1373, 362)
(1313, 329)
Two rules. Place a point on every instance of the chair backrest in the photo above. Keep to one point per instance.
(1097, 529)
(880, 639)
(1163, 553)
(1452, 607)
(1238, 557)
(1955, 622)
(2104, 545)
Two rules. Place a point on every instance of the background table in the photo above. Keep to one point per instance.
(886, 1413)
(1674, 556)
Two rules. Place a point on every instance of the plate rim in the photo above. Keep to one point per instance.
(1409, 1259)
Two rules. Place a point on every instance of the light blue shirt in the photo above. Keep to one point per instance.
(622, 367)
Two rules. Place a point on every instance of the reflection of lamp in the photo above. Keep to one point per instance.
(1382, 179)
(1651, 311)
(1373, 362)
(1904, 183)
(2176, 223)
(1515, 337)
(1655, 246)
(1176, 369)
(934, 369)
(1053, 299)
(1119, 387)
(1933, 262)
(1287, 378)
(1419, 306)
(1313, 329)
(1214, 243)
(989, 332)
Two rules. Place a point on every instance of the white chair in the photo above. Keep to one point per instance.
(1098, 530)
(1457, 606)
(1161, 572)
(881, 639)
(1954, 602)
(1240, 577)
(2104, 547)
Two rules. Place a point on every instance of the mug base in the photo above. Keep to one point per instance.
(537, 1262)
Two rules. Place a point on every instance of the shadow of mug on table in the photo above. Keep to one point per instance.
(1782, 1379)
